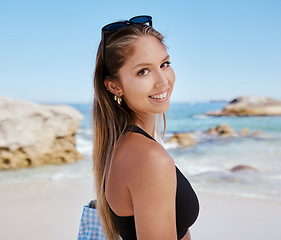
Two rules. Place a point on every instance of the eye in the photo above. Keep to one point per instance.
(143, 72)
(165, 64)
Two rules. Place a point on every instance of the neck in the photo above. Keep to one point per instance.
(147, 123)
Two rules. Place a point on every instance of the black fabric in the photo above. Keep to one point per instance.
(187, 205)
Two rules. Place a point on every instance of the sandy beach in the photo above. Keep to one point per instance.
(51, 209)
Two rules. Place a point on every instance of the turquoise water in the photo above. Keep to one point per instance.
(207, 165)
(183, 117)
(190, 117)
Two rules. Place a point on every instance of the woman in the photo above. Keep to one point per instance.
(140, 192)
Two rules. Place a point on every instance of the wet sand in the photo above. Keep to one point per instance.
(51, 210)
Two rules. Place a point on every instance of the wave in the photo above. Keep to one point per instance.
(85, 131)
(84, 145)
(201, 116)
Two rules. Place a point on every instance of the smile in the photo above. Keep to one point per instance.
(160, 96)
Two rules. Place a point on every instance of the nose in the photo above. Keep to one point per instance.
(161, 79)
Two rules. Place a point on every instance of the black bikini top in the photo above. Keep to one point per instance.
(187, 206)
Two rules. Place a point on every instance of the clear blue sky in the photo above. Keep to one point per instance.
(219, 49)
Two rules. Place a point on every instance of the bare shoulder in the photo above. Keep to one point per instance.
(148, 165)
(145, 156)
(151, 180)
(140, 167)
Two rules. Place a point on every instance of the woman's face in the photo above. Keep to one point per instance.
(147, 78)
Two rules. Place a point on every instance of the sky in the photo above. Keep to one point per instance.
(220, 49)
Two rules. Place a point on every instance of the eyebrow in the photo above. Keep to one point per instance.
(149, 64)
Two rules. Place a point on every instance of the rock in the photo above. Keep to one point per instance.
(34, 134)
(212, 131)
(222, 130)
(243, 168)
(226, 131)
(244, 132)
(257, 133)
(250, 106)
(182, 139)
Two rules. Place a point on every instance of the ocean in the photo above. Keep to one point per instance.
(207, 165)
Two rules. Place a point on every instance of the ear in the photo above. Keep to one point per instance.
(113, 86)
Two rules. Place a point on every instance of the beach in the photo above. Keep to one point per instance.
(226, 217)
(69, 70)
(46, 202)
(48, 209)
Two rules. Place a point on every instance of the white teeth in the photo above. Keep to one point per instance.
(161, 96)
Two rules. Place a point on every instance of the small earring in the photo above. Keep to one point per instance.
(118, 99)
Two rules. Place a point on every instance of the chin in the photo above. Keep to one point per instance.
(163, 109)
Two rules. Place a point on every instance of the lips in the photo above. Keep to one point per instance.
(162, 95)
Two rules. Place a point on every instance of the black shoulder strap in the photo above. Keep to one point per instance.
(136, 129)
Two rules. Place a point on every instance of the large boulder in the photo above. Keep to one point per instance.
(33, 134)
(250, 106)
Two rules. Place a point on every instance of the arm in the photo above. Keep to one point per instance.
(187, 236)
(153, 189)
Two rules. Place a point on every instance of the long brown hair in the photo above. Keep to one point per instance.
(110, 120)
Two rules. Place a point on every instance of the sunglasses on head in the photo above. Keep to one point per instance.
(113, 27)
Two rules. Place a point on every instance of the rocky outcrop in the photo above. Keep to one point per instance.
(244, 132)
(250, 106)
(222, 130)
(33, 134)
(225, 130)
(182, 139)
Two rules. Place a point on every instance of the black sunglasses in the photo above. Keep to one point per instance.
(113, 27)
